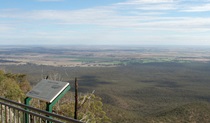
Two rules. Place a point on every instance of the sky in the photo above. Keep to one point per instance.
(104, 22)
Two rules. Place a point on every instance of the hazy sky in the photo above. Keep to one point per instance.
(109, 22)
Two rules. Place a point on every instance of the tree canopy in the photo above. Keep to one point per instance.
(13, 86)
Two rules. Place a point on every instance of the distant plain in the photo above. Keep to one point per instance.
(136, 83)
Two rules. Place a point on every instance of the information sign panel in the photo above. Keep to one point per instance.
(47, 90)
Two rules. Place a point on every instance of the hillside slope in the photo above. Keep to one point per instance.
(190, 113)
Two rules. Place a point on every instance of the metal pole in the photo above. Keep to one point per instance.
(27, 99)
(49, 109)
(76, 99)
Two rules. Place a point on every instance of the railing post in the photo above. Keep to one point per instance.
(76, 99)
(27, 100)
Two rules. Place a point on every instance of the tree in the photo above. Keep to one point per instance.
(11, 87)
(90, 109)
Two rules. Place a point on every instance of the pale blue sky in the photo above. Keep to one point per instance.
(105, 22)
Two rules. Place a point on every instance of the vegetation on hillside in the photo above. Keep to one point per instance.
(90, 108)
(15, 86)
(134, 92)
(190, 113)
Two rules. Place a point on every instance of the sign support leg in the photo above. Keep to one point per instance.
(49, 109)
(49, 106)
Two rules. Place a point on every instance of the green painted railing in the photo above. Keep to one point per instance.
(13, 112)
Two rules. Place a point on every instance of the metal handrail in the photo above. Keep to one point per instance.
(32, 113)
(30, 109)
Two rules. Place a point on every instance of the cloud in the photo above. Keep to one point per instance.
(131, 20)
(6, 28)
(111, 18)
(148, 4)
(111, 15)
(198, 8)
(108, 18)
(146, 1)
(157, 7)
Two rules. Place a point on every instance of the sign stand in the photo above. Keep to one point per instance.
(49, 91)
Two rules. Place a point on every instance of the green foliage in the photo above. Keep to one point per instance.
(90, 109)
(13, 86)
